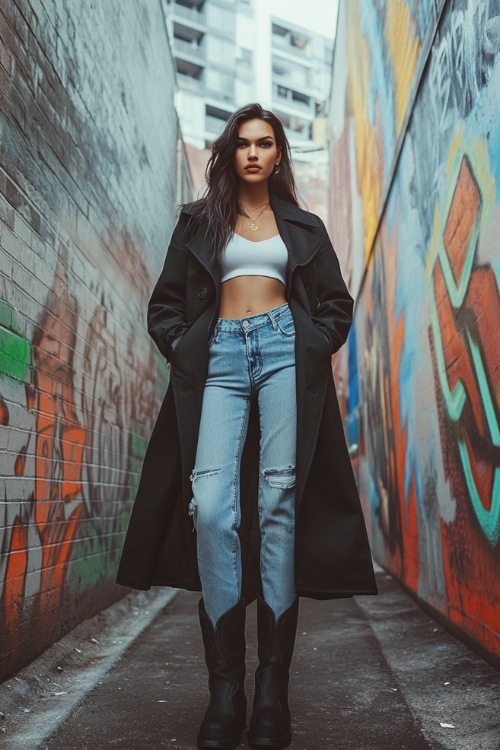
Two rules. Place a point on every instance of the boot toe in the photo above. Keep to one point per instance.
(219, 730)
(269, 728)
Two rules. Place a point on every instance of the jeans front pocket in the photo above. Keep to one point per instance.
(286, 326)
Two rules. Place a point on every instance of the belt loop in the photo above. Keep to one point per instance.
(215, 334)
(273, 321)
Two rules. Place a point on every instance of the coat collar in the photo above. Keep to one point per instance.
(294, 225)
(291, 212)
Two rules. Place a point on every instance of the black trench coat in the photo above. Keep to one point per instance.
(332, 555)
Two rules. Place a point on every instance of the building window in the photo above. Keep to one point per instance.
(196, 6)
(285, 37)
(215, 119)
(292, 97)
(187, 34)
(190, 69)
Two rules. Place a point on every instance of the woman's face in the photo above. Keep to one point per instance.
(256, 153)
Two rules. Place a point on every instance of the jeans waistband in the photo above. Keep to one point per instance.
(252, 322)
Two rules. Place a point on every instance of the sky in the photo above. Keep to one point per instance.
(317, 15)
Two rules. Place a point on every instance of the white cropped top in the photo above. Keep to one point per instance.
(242, 257)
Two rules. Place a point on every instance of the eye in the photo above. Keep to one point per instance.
(266, 144)
(241, 144)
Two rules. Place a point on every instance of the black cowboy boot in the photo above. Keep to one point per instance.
(225, 657)
(270, 724)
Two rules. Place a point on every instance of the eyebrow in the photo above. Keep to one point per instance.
(262, 138)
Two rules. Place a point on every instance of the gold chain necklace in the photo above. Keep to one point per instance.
(253, 226)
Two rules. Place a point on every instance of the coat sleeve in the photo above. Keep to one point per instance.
(167, 305)
(333, 314)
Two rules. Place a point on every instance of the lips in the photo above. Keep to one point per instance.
(253, 168)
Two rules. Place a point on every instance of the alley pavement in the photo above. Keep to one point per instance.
(369, 673)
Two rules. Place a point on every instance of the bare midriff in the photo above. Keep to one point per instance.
(250, 295)
(242, 296)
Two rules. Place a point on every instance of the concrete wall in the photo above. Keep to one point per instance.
(415, 175)
(89, 174)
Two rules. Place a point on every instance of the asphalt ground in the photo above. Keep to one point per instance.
(369, 673)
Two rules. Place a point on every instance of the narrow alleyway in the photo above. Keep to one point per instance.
(373, 673)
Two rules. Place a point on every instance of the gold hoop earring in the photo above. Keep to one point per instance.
(277, 169)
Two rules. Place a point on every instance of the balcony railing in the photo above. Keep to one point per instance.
(284, 43)
(287, 100)
(186, 48)
(189, 83)
(189, 14)
(223, 95)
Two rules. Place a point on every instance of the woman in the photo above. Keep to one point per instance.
(248, 450)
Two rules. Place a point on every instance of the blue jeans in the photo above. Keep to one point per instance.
(249, 358)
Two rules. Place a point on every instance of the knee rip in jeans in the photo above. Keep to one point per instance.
(202, 474)
(282, 478)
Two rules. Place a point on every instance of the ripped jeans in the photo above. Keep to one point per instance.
(249, 358)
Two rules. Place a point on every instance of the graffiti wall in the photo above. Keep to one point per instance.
(88, 193)
(417, 225)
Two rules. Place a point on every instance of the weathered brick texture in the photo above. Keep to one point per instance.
(88, 191)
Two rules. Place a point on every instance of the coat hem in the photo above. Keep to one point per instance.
(146, 586)
(304, 591)
(336, 594)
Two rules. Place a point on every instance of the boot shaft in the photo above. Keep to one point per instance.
(225, 649)
(225, 645)
(270, 724)
(276, 641)
(276, 638)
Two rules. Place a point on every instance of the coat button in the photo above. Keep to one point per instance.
(202, 293)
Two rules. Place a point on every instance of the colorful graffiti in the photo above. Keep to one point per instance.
(465, 344)
(88, 188)
(73, 438)
(425, 407)
(379, 85)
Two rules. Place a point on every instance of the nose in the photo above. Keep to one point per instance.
(252, 152)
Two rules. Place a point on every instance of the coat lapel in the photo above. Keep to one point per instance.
(201, 248)
(294, 225)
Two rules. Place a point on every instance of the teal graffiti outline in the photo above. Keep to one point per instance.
(489, 520)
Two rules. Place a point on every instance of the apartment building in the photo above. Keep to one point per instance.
(229, 52)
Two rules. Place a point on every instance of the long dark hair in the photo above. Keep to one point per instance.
(218, 208)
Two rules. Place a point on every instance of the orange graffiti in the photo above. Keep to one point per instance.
(465, 322)
(13, 596)
(4, 413)
(387, 434)
(60, 439)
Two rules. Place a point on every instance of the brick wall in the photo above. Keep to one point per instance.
(88, 165)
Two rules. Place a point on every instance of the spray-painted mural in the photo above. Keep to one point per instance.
(424, 355)
(380, 51)
(91, 169)
(74, 430)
